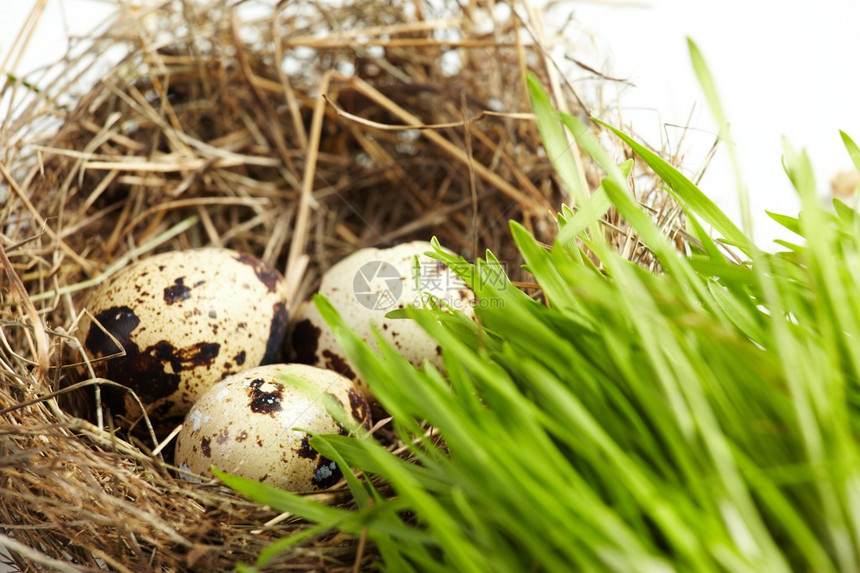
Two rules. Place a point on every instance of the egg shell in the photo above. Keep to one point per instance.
(186, 319)
(363, 287)
(245, 425)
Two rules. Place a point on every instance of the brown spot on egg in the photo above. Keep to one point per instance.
(265, 402)
(265, 273)
(160, 411)
(306, 451)
(338, 364)
(304, 341)
(277, 329)
(242, 436)
(327, 474)
(359, 408)
(222, 437)
(141, 370)
(198, 354)
(205, 447)
(177, 291)
(240, 358)
(119, 321)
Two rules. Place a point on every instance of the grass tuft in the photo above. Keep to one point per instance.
(701, 419)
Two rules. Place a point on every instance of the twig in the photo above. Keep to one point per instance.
(20, 292)
(410, 127)
(295, 259)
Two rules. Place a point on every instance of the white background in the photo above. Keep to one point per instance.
(783, 67)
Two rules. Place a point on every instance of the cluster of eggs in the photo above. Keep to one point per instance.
(197, 337)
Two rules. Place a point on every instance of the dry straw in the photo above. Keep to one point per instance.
(298, 132)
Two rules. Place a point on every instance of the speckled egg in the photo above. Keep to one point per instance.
(255, 424)
(363, 287)
(185, 320)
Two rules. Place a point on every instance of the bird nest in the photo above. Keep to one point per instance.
(298, 132)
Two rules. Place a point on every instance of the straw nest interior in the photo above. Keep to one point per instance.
(275, 130)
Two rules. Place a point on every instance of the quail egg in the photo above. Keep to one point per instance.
(363, 287)
(255, 424)
(172, 325)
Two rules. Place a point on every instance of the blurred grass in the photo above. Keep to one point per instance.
(702, 419)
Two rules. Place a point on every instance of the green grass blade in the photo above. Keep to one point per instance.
(853, 149)
(555, 140)
(790, 223)
(592, 210)
(709, 89)
(281, 500)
